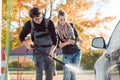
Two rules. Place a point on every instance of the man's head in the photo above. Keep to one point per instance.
(36, 15)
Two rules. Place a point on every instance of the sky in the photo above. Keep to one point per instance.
(109, 8)
(112, 8)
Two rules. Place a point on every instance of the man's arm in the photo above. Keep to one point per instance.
(53, 35)
(25, 31)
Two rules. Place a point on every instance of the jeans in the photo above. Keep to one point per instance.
(75, 59)
(42, 62)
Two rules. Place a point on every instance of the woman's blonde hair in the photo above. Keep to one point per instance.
(62, 13)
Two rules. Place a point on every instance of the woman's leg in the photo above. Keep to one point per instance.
(76, 62)
(67, 59)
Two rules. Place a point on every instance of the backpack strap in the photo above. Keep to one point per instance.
(47, 22)
(32, 26)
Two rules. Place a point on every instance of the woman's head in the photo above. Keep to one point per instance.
(62, 17)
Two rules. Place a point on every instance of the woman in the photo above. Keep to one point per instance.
(68, 38)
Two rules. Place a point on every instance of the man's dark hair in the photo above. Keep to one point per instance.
(34, 12)
(61, 13)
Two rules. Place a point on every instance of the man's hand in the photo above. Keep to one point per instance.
(51, 56)
(51, 53)
(27, 45)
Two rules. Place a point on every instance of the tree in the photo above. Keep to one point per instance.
(19, 9)
(76, 10)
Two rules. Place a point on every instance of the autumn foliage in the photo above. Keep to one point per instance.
(75, 10)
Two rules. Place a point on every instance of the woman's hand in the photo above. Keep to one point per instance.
(80, 40)
(69, 42)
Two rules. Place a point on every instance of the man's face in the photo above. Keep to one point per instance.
(38, 19)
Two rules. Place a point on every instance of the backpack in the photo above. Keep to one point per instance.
(44, 41)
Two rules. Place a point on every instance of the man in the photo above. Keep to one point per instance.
(44, 38)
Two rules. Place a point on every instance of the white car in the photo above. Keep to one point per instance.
(111, 56)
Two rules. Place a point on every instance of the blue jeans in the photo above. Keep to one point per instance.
(75, 59)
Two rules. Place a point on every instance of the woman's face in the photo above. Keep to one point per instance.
(62, 20)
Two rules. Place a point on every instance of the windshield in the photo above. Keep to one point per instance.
(114, 42)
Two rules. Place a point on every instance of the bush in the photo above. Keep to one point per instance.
(89, 58)
(28, 64)
(58, 65)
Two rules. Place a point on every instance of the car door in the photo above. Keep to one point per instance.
(114, 41)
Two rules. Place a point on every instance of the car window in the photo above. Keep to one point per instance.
(114, 41)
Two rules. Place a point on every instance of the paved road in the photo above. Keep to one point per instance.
(58, 77)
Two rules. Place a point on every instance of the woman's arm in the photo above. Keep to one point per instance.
(69, 42)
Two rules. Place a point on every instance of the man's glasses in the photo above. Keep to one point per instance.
(37, 19)
(62, 19)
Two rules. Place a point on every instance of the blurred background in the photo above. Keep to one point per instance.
(92, 18)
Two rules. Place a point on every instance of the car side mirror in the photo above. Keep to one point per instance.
(98, 42)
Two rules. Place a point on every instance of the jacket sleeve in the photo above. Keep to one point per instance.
(52, 31)
(75, 31)
(25, 31)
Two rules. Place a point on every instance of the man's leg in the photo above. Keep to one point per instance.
(55, 71)
(39, 65)
(49, 68)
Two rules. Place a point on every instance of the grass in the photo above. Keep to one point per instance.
(58, 72)
(29, 72)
